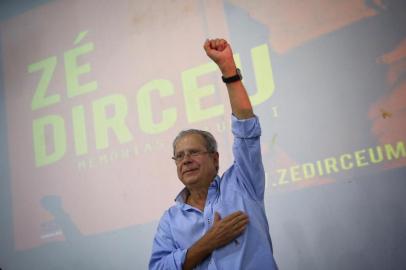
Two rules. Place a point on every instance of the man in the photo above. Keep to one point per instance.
(218, 222)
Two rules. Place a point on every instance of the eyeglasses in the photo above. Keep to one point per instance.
(191, 153)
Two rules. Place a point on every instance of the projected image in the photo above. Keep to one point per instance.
(392, 105)
(96, 93)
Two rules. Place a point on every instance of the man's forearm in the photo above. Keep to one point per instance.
(221, 53)
(239, 99)
(197, 253)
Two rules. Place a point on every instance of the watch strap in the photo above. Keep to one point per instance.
(235, 78)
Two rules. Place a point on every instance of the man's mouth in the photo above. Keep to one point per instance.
(190, 170)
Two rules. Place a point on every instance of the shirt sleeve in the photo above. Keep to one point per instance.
(165, 255)
(247, 156)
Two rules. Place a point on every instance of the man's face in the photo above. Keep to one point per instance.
(198, 170)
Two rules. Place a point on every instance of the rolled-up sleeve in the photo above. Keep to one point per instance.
(165, 254)
(247, 156)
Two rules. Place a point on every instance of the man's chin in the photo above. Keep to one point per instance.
(190, 180)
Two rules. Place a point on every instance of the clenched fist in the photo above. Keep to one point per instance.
(220, 52)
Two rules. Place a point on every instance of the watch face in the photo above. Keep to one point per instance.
(239, 73)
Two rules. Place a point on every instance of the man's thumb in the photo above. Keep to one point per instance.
(217, 217)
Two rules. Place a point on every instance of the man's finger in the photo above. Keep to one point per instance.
(222, 45)
(206, 45)
(217, 217)
(213, 44)
(216, 43)
(234, 215)
(240, 230)
(241, 223)
(238, 220)
(219, 44)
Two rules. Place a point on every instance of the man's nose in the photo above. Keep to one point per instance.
(187, 158)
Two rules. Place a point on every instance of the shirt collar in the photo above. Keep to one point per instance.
(182, 195)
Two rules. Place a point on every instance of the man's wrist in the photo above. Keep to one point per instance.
(228, 70)
(234, 78)
(199, 251)
(206, 243)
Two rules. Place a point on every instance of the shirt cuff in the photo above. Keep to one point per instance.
(245, 128)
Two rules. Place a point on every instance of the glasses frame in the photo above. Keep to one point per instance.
(191, 153)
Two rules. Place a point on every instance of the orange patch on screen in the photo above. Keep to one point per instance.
(295, 177)
(293, 23)
(388, 114)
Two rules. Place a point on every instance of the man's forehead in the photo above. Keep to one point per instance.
(190, 141)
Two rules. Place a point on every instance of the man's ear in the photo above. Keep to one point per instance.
(216, 157)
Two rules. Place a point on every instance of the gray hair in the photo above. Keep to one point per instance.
(210, 141)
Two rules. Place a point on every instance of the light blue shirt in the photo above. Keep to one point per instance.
(240, 188)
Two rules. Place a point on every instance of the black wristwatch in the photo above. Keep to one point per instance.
(236, 77)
